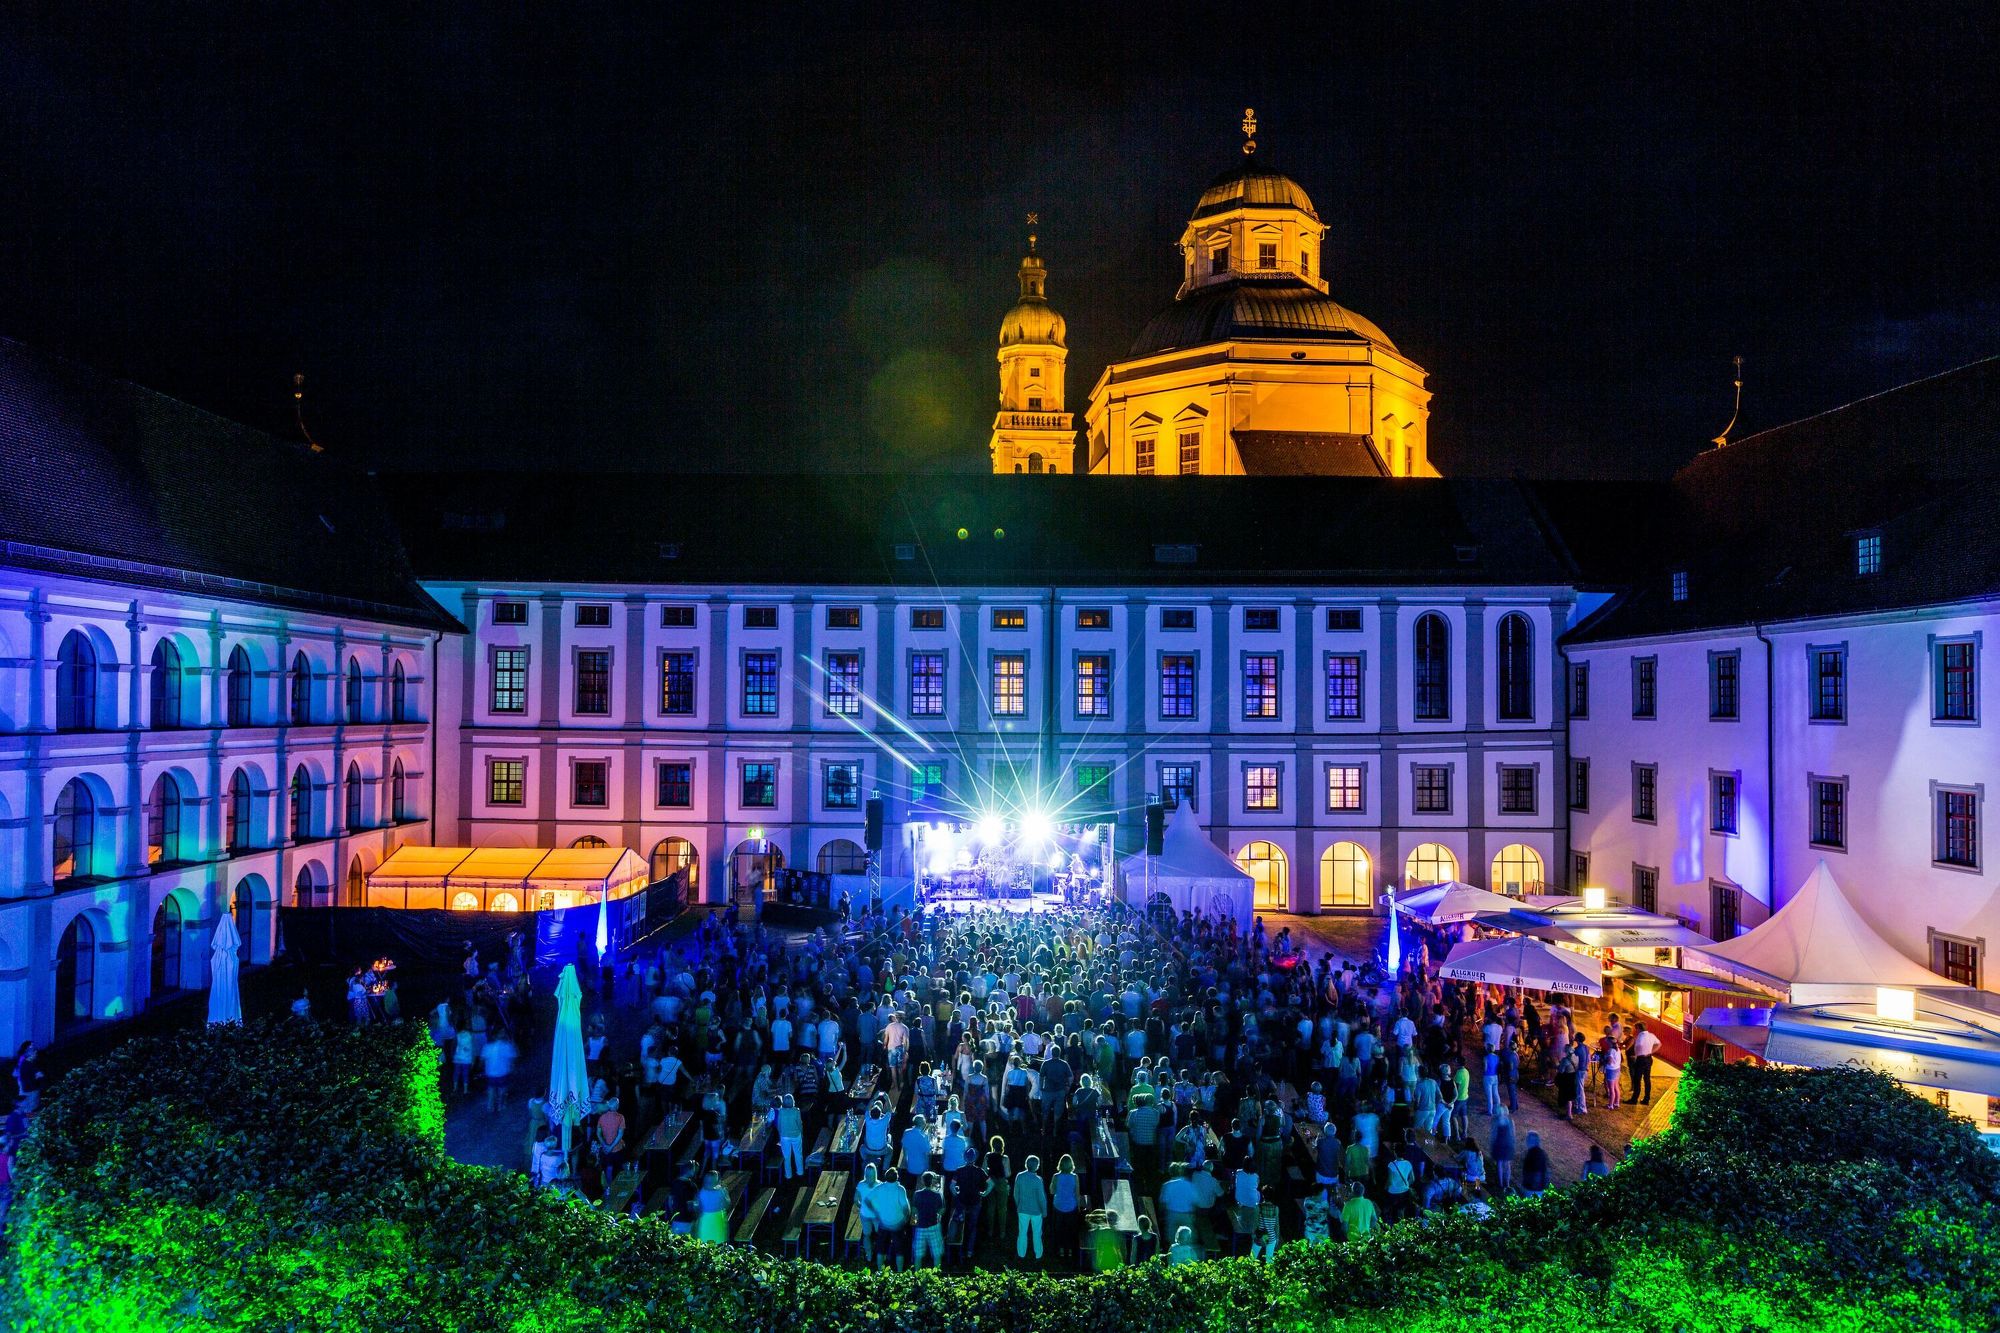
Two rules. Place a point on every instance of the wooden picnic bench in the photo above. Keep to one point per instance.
(851, 1246)
(793, 1236)
(755, 1145)
(846, 1142)
(665, 1137)
(753, 1217)
(823, 1212)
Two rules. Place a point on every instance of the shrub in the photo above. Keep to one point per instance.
(283, 1176)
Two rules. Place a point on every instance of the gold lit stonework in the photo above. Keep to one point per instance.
(1033, 432)
(1249, 130)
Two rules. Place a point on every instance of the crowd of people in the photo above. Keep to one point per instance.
(1025, 1062)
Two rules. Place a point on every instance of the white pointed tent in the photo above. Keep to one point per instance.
(1193, 873)
(1814, 949)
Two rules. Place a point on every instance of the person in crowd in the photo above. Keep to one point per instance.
(1031, 1206)
(1503, 1151)
(1597, 1165)
(1184, 1251)
(713, 1203)
(929, 1208)
(790, 1124)
(1534, 1168)
(1358, 1218)
(890, 1203)
(1065, 1211)
(499, 1069)
(1645, 1045)
(28, 1078)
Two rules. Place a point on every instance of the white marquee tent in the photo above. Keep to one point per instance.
(505, 879)
(1193, 873)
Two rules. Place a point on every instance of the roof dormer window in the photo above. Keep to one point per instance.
(1867, 554)
(1678, 585)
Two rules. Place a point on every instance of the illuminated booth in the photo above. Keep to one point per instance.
(1191, 874)
(505, 879)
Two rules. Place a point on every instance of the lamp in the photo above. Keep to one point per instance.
(1896, 1004)
(1594, 899)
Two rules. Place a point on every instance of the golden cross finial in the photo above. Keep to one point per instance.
(1034, 221)
(1249, 129)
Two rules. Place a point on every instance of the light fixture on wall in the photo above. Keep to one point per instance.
(1896, 1004)
(1594, 899)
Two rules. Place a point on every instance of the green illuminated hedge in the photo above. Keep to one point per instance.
(283, 1176)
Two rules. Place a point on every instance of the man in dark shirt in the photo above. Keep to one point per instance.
(1534, 1168)
(968, 1192)
(1056, 1077)
(930, 1221)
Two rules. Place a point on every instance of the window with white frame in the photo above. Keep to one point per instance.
(1343, 788)
(1260, 786)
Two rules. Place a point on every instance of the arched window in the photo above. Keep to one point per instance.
(842, 856)
(76, 684)
(76, 972)
(1518, 870)
(1430, 863)
(241, 714)
(1431, 672)
(1516, 668)
(302, 811)
(236, 814)
(504, 901)
(1034, 462)
(357, 883)
(306, 888)
(399, 694)
(163, 822)
(352, 794)
(1265, 863)
(672, 855)
(354, 689)
(399, 793)
(167, 925)
(243, 906)
(74, 844)
(590, 840)
(1345, 878)
(167, 686)
(465, 900)
(302, 690)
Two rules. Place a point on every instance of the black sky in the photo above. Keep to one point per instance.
(555, 235)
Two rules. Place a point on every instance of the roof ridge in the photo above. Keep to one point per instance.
(1842, 407)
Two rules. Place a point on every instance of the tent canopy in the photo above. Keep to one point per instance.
(1193, 873)
(1521, 961)
(1815, 948)
(505, 878)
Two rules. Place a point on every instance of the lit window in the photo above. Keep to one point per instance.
(1093, 618)
(1260, 685)
(843, 617)
(1678, 584)
(1143, 448)
(843, 684)
(1092, 779)
(760, 684)
(1010, 685)
(677, 684)
(510, 681)
(506, 782)
(1260, 787)
(926, 684)
(926, 617)
(1343, 787)
(928, 780)
(1093, 685)
(1177, 685)
(1009, 617)
(1868, 554)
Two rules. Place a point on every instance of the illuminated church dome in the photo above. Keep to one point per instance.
(1032, 319)
(1256, 186)
(1284, 309)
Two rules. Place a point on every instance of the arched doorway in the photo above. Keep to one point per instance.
(673, 855)
(753, 867)
(1518, 870)
(1430, 863)
(1265, 863)
(1346, 879)
(76, 973)
(843, 856)
(250, 904)
(357, 883)
(168, 924)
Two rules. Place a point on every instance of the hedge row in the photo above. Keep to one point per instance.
(284, 1176)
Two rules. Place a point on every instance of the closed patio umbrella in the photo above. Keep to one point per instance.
(569, 1082)
(225, 1002)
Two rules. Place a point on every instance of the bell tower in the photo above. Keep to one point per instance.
(1032, 432)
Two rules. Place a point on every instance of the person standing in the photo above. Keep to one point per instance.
(1031, 1206)
(1644, 1045)
(1503, 1151)
(929, 1206)
(499, 1062)
(1065, 1205)
(1613, 1059)
(1534, 1168)
(1357, 1216)
(791, 1126)
(714, 1205)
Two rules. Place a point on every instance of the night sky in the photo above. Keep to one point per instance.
(554, 235)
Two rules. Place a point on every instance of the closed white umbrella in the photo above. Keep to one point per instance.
(569, 1081)
(225, 1002)
(1521, 961)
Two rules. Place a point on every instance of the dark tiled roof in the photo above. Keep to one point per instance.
(1279, 308)
(107, 480)
(1302, 453)
(1067, 530)
(1766, 528)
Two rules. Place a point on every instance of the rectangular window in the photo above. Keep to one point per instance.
(1957, 690)
(1177, 784)
(1260, 617)
(1010, 685)
(1955, 959)
(760, 684)
(676, 617)
(1190, 452)
(928, 781)
(843, 786)
(1958, 828)
(1868, 554)
(677, 683)
(1724, 686)
(1722, 802)
(1579, 689)
(1176, 617)
(926, 617)
(1093, 618)
(1430, 785)
(1343, 787)
(510, 680)
(1267, 255)
(760, 785)
(587, 782)
(507, 782)
(927, 684)
(1009, 617)
(1517, 789)
(1646, 888)
(1093, 685)
(1343, 619)
(1093, 779)
(675, 786)
(1829, 813)
(510, 613)
(843, 684)
(1678, 585)
(843, 617)
(593, 682)
(1260, 787)
(1143, 448)
(1343, 687)
(1579, 784)
(593, 615)
(1646, 793)
(1724, 910)
(1829, 685)
(1218, 260)
(1579, 870)
(1177, 685)
(760, 617)
(1260, 685)
(1645, 687)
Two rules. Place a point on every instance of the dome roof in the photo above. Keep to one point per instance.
(1032, 320)
(1252, 185)
(1284, 309)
